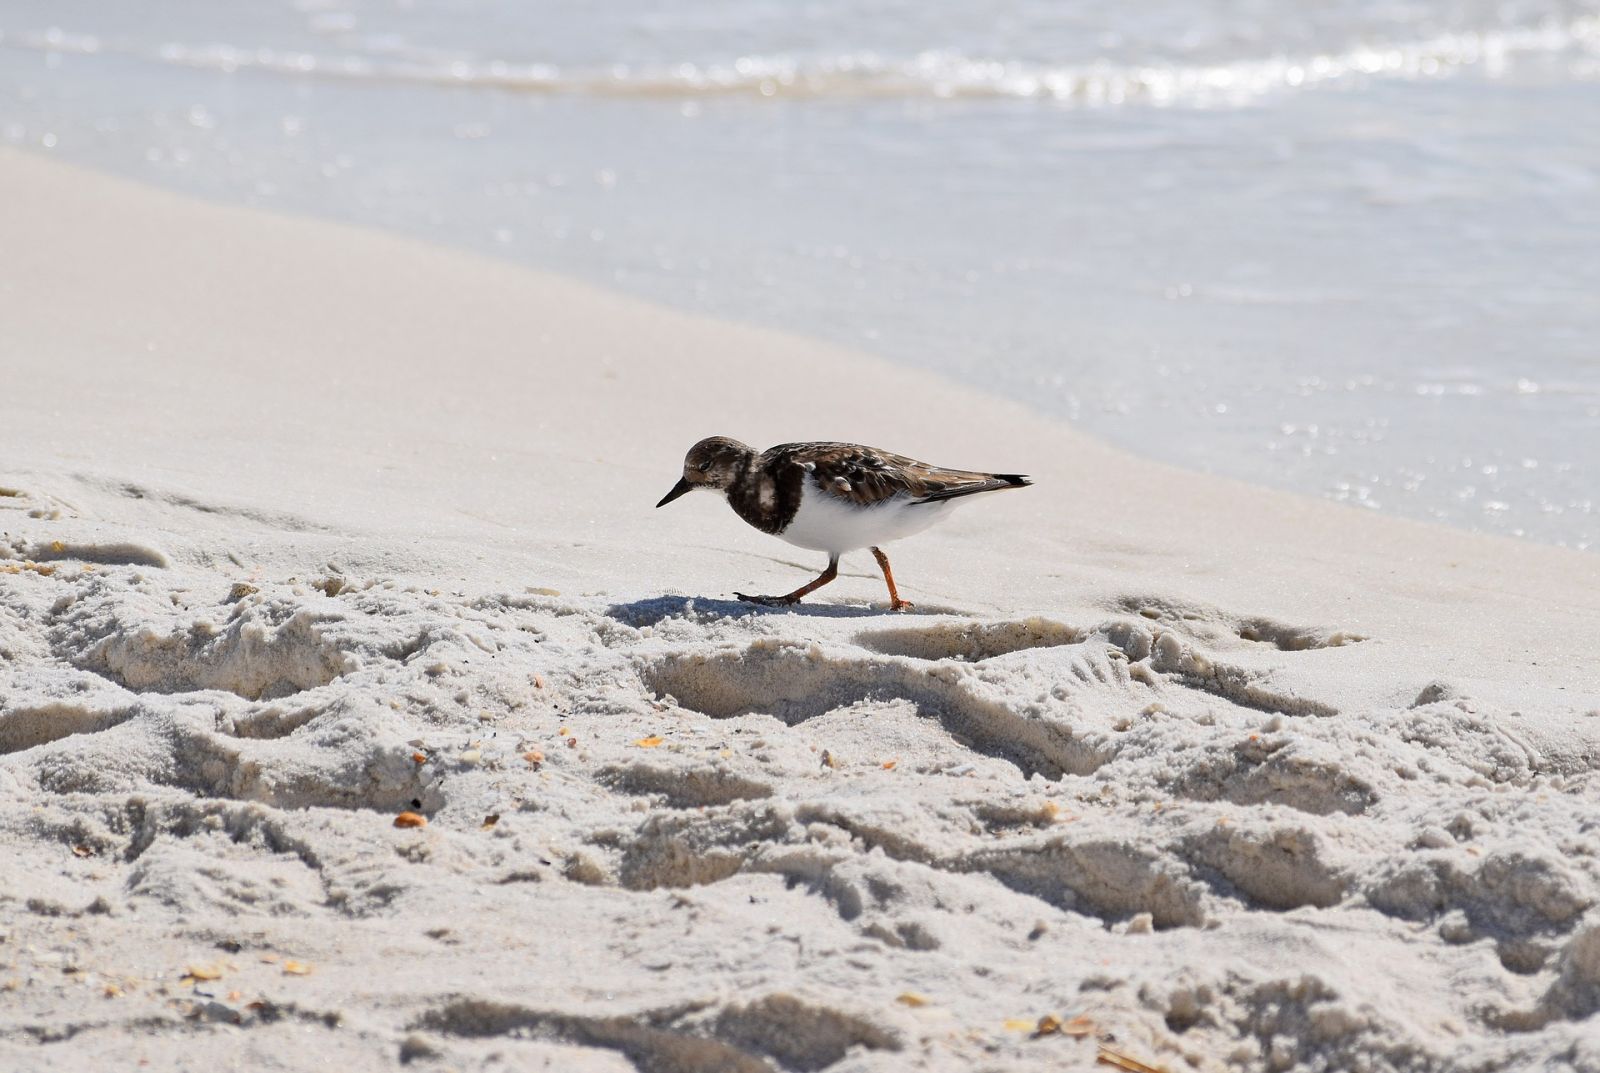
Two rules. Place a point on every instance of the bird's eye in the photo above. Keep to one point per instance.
(703, 467)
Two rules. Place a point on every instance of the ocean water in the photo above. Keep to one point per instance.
(1349, 248)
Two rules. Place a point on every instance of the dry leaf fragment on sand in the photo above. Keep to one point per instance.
(649, 743)
(490, 821)
(411, 819)
(1081, 1027)
(1051, 1025)
(296, 968)
(202, 972)
(888, 765)
(912, 999)
(1117, 1060)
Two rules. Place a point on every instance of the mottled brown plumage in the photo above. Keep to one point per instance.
(867, 475)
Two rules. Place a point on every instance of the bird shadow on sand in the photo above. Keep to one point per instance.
(649, 611)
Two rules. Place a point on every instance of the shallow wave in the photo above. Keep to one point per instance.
(932, 74)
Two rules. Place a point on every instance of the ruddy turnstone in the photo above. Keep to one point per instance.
(832, 497)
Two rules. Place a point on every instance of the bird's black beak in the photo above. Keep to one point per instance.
(678, 489)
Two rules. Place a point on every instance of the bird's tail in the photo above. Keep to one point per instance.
(993, 482)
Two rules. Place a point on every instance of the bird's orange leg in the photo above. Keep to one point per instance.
(895, 603)
(794, 597)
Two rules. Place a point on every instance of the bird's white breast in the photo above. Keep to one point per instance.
(827, 523)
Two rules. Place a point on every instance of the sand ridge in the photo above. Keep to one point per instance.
(749, 833)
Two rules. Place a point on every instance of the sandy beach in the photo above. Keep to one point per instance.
(303, 527)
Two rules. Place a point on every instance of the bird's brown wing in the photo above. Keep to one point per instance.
(865, 475)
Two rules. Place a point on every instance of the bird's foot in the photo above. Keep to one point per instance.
(769, 601)
(898, 604)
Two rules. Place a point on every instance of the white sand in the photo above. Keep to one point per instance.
(1249, 781)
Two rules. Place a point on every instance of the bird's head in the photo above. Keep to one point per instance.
(714, 463)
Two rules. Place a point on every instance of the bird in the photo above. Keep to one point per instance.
(831, 497)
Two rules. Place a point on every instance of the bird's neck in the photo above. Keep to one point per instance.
(745, 480)
(766, 502)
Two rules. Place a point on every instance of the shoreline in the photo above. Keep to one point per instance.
(291, 504)
(875, 406)
(1424, 443)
